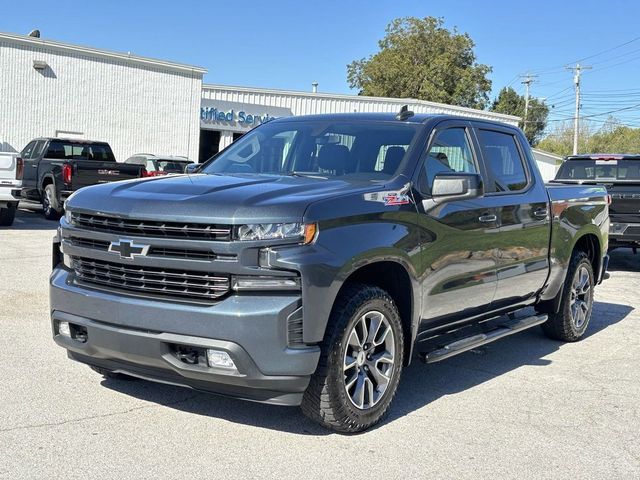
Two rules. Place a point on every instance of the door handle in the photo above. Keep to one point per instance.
(34, 165)
(541, 213)
(487, 218)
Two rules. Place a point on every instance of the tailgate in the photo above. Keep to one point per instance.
(92, 172)
(8, 167)
(625, 202)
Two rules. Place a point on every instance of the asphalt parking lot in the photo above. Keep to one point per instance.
(524, 407)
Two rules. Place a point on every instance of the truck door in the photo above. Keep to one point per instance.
(515, 189)
(457, 237)
(30, 156)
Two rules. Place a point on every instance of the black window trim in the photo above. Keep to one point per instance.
(523, 159)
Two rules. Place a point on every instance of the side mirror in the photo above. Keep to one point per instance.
(192, 168)
(456, 186)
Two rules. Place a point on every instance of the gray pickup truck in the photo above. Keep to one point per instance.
(310, 261)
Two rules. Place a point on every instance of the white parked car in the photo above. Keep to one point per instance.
(11, 170)
(156, 165)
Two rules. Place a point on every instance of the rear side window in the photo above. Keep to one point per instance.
(37, 151)
(503, 160)
(61, 150)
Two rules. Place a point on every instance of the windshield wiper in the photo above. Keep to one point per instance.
(305, 175)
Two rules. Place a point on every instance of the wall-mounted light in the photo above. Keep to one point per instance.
(40, 64)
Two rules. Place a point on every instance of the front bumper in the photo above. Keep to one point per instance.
(624, 234)
(138, 337)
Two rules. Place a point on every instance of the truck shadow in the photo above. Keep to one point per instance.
(30, 218)
(420, 384)
(623, 260)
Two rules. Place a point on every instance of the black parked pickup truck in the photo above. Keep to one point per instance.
(620, 174)
(56, 167)
(311, 260)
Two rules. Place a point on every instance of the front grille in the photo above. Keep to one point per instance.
(151, 228)
(180, 284)
(163, 252)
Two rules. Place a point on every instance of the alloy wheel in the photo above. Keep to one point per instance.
(368, 363)
(581, 297)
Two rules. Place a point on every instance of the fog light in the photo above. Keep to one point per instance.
(220, 359)
(64, 329)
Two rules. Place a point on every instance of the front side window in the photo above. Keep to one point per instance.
(449, 152)
(503, 160)
(28, 150)
(366, 150)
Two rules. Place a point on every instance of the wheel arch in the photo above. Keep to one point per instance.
(392, 276)
(589, 243)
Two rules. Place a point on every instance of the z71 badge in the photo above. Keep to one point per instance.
(399, 197)
(396, 199)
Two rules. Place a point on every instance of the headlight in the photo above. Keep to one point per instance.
(67, 216)
(274, 231)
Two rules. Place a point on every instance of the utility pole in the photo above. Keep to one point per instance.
(576, 119)
(528, 79)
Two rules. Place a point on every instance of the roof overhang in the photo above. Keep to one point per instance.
(34, 42)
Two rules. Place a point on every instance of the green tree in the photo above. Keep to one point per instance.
(420, 58)
(509, 102)
(612, 137)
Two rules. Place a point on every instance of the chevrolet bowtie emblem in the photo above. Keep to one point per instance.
(127, 249)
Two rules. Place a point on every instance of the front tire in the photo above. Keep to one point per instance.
(361, 362)
(572, 319)
(50, 203)
(8, 214)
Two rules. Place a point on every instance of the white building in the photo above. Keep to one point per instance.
(227, 112)
(548, 163)
(138, 104)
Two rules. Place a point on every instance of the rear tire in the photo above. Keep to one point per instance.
(572, 319)
(8, 214)
(360, 364)
(50, 203)
(111, 375)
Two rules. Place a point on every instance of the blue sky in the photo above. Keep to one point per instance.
(288, 44)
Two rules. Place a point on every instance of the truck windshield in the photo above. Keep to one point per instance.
(65, 150)
(600, 170)
(366, 151)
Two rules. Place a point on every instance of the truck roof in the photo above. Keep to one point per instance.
(73, 140)
(605, 156)
(387, 117)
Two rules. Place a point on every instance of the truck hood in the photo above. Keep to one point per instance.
(230, 199)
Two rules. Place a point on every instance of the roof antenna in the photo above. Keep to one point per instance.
(404, 113)
(35, 33)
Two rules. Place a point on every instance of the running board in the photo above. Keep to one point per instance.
(469, 343)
